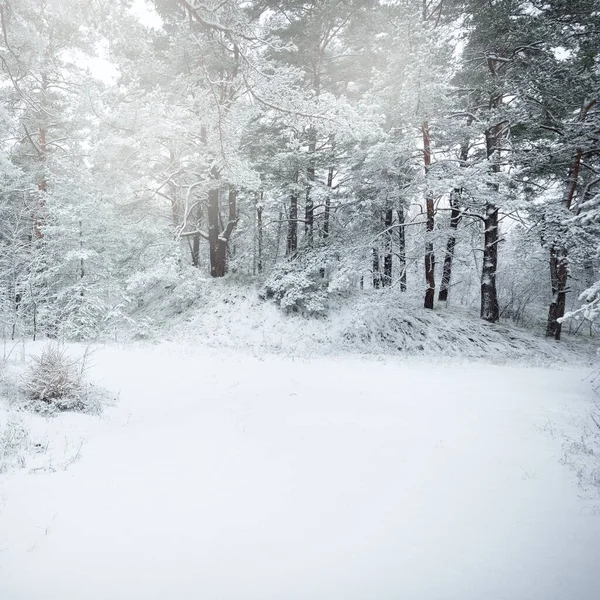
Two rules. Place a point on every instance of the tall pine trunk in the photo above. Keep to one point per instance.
(559, 262)
(402, 249)
(218, 240)
(309, 209)
(376, 269)
(490, 311)
(259, 224)
(450, 244)
(386, 280)
(455, 217)
(327, 216)
(292, 233)
(429, 255)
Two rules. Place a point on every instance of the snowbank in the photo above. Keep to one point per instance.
(226, 314)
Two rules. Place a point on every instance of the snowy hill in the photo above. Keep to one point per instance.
(230, 314)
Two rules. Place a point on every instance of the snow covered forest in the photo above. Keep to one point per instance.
(299, 299)
(311, 151)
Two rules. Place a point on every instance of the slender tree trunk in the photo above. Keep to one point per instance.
(259, 212)
(219, 241)
(213, 232)
(376, 269)
(387, 257)
(490, 310)
(309, 210)
(43, 182)
(429, 255)
(327, 216)
(450, 244)
(559, 262)
(455, 217)
(292, 234)
(402, 249)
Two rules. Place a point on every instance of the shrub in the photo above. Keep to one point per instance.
(14, 442)
(54, 381)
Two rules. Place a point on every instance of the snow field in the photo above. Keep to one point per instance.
(222, 475)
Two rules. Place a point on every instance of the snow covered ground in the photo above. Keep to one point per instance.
(233, 476)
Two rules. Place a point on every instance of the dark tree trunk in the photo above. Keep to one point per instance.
(259, 212)
(213, 233)
(195, 247)
(450, 244)
(559, 262)
(327, 217)
(455, 216)
(292, 234)
(309, 209)
(490, 310)
(376, 270)
(558, 278)
(402, 249)
(195, 250)
(387, 258)
(218, 241)
(429, 255)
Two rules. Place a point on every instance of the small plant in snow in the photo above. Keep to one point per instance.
(14, 442)
(54, 381)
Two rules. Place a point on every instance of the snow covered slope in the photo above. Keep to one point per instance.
(222, 475)
(226, 314)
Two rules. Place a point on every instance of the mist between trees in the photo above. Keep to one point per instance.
(447, 148)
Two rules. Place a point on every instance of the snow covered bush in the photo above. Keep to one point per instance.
(298, 287)
(307, 284)
(54, 382)
(14, 442)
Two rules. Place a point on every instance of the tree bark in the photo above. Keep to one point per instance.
(429, 254)
(292, 234)
(259, 224)
(402, 249)
(376, 270)
(327, 216)
(490, 310)
(387, 257)
(455, 217)
(450, 244)
(218, 241)
(309, 210)
(559, 262)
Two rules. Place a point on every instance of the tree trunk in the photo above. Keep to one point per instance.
(429, 255)
(292, 235)
(455, 217)
(213, 233)
(309, 210)
(43, 182)
(490, 310)
(559, 271)
(376, 271)
(450, 244)
(387, 257)
(559, 262)
(218, 242)
(402, 249)
(259, 212)
(327, 217)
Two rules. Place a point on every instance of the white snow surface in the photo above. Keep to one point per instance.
(224, 475)
(226, 314)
